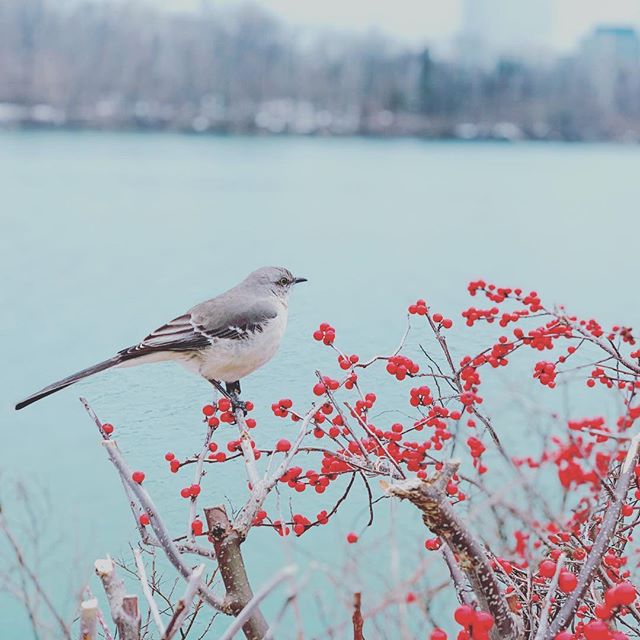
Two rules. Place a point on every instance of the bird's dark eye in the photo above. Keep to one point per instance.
(283, 282)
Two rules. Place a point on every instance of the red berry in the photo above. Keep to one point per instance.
(464, 615)
(169, 456)
(547, 569)
(208, 410)
(144, 520)
(319, 388)
(624, 593)
(596, 630)
(196, 527)
(352, 538)
(567, 581)
(283, 445)
(137, 476)
(483, 621)
(438, 634)
(107, 427)
(433, 544)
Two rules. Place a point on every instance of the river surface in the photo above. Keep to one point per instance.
(105, 236)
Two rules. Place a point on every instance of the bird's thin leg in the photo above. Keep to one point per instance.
(233, 393)
(220, 388)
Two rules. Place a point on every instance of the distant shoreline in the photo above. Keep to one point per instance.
(364, 135)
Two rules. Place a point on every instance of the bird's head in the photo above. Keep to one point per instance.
(276, 280)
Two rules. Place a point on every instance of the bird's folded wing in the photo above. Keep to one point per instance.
(204, 325)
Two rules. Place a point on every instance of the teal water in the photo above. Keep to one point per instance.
(106, 236)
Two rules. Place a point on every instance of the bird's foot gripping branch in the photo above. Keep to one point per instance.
(532, 527)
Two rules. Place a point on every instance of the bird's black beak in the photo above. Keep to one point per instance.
(299, 280)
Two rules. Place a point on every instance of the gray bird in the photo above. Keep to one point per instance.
(223, 339)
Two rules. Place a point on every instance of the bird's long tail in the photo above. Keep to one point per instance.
(65, 382)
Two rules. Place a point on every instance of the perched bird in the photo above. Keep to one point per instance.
(223, 339)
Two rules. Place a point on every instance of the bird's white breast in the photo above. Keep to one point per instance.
(229, 360)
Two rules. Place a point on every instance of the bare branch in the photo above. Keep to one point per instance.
(164, 539)
(594, 559)
(153, 607)
(88, 619)
(358, 620)
(440, 517)
(226, 542)
(253, 604)
(124, 608)
(184, 604)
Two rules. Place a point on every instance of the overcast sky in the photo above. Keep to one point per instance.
(439, 20)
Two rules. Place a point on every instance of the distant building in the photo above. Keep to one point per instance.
(610, 58)
(494, 28)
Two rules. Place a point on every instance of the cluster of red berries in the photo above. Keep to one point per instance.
(499, 351)
(298, 481)
(419, 308)
(420, 397)
(594, 630)
(543, 337)
(300, 524)
(191, 491)
(346, 362)
(320, 388)
(445, 323)
(546, 373)
(598, 375)
(214, 454)
(351, 381)
(500, 294)
(401, 366)
(469, 372)
(625, 333)
(227, 415)
(472, 315)
(514, 316)
(588, 424)
(477, 449)
(282, 407)
(174, 463)
(325, 333)
(477, 624)
(569, 459)
(593, 328)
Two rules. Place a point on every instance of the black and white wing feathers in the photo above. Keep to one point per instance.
(204, 325)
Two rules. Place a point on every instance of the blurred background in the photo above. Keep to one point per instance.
(152, 154)
(558, 70)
